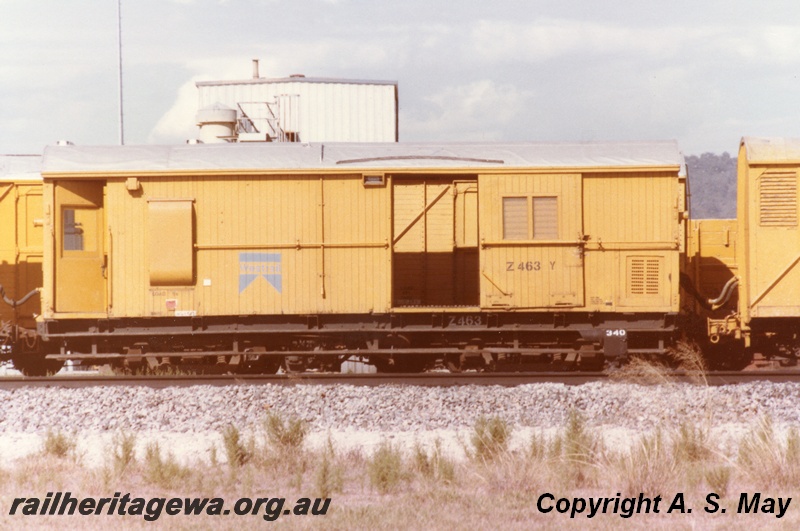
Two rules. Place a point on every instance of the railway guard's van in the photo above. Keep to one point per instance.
(399, 254)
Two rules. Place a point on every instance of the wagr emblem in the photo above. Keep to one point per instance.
(254, 265)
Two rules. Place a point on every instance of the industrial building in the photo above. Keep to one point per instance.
(297, 109)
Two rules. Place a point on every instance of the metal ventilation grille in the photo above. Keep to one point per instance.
(645, 275)
(778, 199)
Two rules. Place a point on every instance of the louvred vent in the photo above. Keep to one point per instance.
(778, 199)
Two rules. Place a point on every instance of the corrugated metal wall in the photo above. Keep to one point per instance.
(327, 111)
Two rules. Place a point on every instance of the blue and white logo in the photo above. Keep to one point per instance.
(254, 265)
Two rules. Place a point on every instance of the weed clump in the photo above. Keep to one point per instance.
(576, 449)
(164, 471)
(58, 444)
(643, 371)
(718, 478)
(329, 477)
(385, 468)
(235, 450)
(286, 435)
(434, 465)
(688, 358)
(767, 459)
(490, 438)
(648, 467)
(123, 448)
(691, 444)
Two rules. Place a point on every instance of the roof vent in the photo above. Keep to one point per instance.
(217, 123)
(64, 143)
(297, 76)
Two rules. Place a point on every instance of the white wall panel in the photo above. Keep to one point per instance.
(326, 110)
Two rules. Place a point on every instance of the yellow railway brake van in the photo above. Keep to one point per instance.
(400, 255)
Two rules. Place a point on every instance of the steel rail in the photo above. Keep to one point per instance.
(373, 380)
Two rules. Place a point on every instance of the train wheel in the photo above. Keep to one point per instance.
(471, 358)
(294, 364)
(36, 365)
(454, 363)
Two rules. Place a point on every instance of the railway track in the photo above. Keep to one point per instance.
(371, 380)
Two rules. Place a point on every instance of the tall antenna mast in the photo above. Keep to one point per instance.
(119, 46)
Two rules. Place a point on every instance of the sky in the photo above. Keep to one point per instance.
(704, 73)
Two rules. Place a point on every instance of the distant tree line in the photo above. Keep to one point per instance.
(712, 184)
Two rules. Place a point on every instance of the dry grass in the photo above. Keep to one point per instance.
(688, 358)
(768, 459)
(644, 372)
(59, 444)
(647, 467)
(684, 356)
(425, 488)
(489, 438)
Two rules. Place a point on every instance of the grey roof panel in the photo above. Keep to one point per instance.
(19, 167)
(296, 79)
(766, 149)
(386, 156)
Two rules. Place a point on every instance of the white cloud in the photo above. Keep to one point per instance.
(549, 39)
(542, 40)
(178, 124)
(481, 110)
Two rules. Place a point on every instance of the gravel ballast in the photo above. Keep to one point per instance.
(200, 413)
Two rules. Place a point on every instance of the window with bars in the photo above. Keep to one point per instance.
(73, 231)
(530, 218)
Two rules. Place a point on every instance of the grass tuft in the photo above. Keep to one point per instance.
(235, 450)
(435, 466)
(163, 471)
(575, 449)
(768, 460)
(718, 478)
(286, 435)
(123, 448)
(643, 371)
(688, 358)
(490, 438)
(385, 468)
(329, 476)
(691, 444)
(648, 467)
(59, 444)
